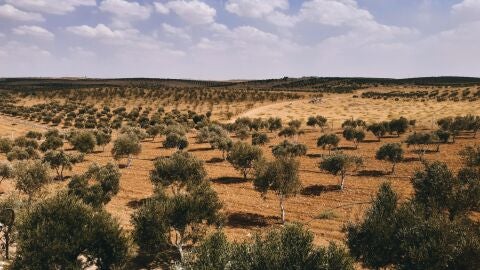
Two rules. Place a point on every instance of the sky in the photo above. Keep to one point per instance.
(239, 39)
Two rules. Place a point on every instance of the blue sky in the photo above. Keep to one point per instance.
(239, 39)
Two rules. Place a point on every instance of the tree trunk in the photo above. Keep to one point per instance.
(129, 161)
(282, 208)
(180, 245)
(342, 182)
(245, 175)
(393, 168)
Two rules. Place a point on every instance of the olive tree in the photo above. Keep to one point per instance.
(102, 138)
(288, 149)
(83, 141)
(318, 120)
(420, 142)
(340, 164)
(6, 171)
(178, 171)
(30, 177)
(279, 176)
(97, 186)
(399, 126)
(6, 145)
(260, 138)
(354, 135)
(125, 146)
(175, 140)
(242, 157)
(391, 152)
(328, 141)
(65, 230)
(274, 123)
(379, 129)
(60, 161)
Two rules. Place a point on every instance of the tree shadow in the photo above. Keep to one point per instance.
(229, 180)
(374, 173)
(370, 141)
(245, 220)
(134, 204)
(215, 160)
(200, 149)
(317, 190)
(410, 159)
(346, 148)
(314, 155)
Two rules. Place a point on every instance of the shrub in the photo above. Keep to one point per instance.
(242, 156)
(95, 235)
(125, 146)
(60, 161)
(352, 134)
(340, 164)
(175, 140)
(30, 177)
(51, 143)
(391, 152)
(83, 141)
(287, 149)
(259, 138)
(6, 145)
(279, 176)
(328, 141)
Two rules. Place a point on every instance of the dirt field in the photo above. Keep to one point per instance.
(244, 208)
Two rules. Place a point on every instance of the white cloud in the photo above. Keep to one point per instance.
(2, 35)
(34, 31)
(100, 31)
(175, 31)
(467, 10)
(12, 13)
(334, 12)
(51, 6)
(161, 8)
(126, 10)
(193, 12)
(255, 8)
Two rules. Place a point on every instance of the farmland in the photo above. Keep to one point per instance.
(87, 105)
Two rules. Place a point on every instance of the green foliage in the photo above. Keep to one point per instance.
(379, 129)
(175, 140)
(353, 134)
(288, 149)
(242, 157)
(126, 145)
(83, 141)
(64, 228)
(5, 145)
(30, 177)
(399, 126)
(182, 169)
(289, 247)
(340, 163)
(6, 171)
(328, 141)
(34, 135)
(357, 123)
(318, 120)
(102, 137)
(274, 123)
(471, 156)
(60, 161)
(51, 143)
(279, 176)
(106, 184)
(391, 152)
(24, 142)
(289, 131)
(260, 138)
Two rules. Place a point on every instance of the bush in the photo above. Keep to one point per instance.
(355, 135)
(181, 169)
(340, 164)
(289, 247)
(288, 149)
(106, 184)
(259, 138)
(328, 141)
(51, 143)
(6, 171)
(34, 135)
(30, 177)
(174, 140)
(95, 235)
(391, 152)
(125, 146)
(6, 145)
(242, 156)
(83, 141)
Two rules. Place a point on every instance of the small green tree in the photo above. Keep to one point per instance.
(222, 143)
(391, 152)
(180, 170)
(103, 138)
(242, 157)
(51, 143)
(420, 142)
(60, 161)
(6, 171)
(399, 126)
(340, 164)
(288, 149)
(328, 141)
(30, 177)
(379, 129)
(6, 145)
(125, 146)
(274, 123)
(83, 141)
(175, 140)
(260, 138)
(64, 229)
(279, 176)
(97, 186)
(354, 135)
